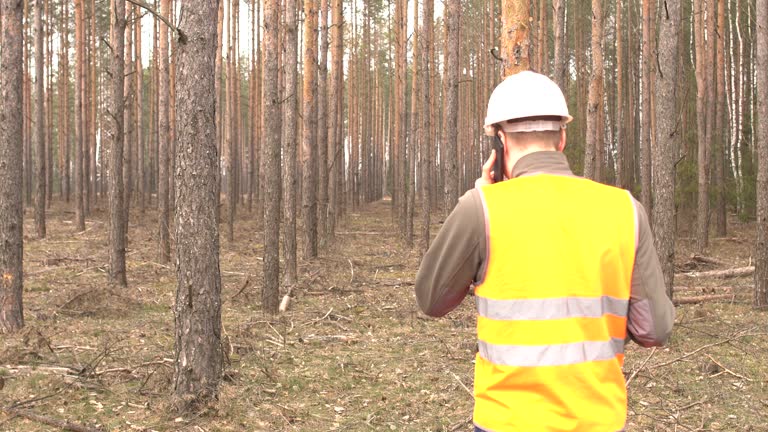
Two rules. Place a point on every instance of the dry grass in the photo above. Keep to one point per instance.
(352, 353)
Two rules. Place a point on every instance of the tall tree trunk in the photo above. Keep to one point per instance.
(140, 141)
(761, 69)
(231, 132)
(309, 138)
(415, 126)
(79, 117)
(621, 144)
(289, 141)
(425, 136)
(128, 123)
(92, 99)
(48, 105)
(593, 155)
(667, 138)
(253, 173)
(198, 292)
(542, 61)
(558, 22)
(322, 126)
(271, 161)
(218, 101)
(64, 152)
(114, 147)
(645, 142)
(172, 118)
(702, 223)
(335, 154)
(11, 170)
(399, 198)
(451, 88)
(39, 128)
(515, 37)
(163, 145)
(718, 134)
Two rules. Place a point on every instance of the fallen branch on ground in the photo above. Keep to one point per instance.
(63, 425)
(702, 299)
(726, 370)
(706, 260)
(697, 350)
(642, 365)
(723, 274)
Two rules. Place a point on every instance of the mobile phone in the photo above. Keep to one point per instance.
(498, 164)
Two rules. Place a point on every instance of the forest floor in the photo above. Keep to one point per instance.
(352, 353)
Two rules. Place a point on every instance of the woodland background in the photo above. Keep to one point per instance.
(331, 140)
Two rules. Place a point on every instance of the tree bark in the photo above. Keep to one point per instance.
(451, 84)
(415, 119)
(11, 169)
(114, 147)
(702, 222)
(761, 245)
(64, 151)
(309, 138)
(271, 161)
(619, 116)
(718, 135)
(645, 142)
(515, 35)
(399, 199)
(128, 124)
(218, 101)
(667, 138)
(198, 293)
(39, 129)
(335, 154)
(322, 125)
(425, 136)
(290, 141)
(592, 154)
(79, 117)
(140, 142)
(558, 22)
(163, 196)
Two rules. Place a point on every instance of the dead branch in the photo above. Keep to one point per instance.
(726, 370)
(697, 350)
(693, 404)
(242, 288)
(702, 299)
(724, 274)
(642, 365)
(352, 269)
(359, 233)
(707, 260)
(462, 384)
(63, 425)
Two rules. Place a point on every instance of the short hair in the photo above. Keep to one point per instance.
(540, 139)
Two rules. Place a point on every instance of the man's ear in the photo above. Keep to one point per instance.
(561, 144)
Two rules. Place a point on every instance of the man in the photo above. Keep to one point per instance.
(564, 271)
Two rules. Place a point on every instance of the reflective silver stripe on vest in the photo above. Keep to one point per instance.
(551, 308)
(551, 355)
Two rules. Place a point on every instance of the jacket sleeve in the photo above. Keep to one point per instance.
(651, 313)
(454, 259)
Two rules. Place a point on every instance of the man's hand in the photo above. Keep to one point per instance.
(487, 176)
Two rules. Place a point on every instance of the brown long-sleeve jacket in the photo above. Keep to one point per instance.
(457, 260)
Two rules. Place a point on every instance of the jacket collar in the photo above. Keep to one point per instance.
(542, 162)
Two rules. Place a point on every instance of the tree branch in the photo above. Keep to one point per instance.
(179, 34)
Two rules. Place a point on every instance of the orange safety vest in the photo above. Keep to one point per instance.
(553, 305)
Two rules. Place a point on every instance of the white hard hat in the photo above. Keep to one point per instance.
(523, 95)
